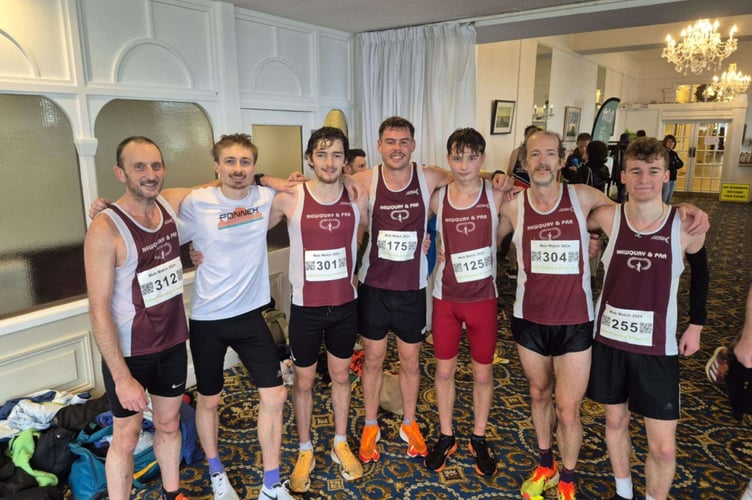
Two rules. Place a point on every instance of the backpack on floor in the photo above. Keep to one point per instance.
(87, 478)
(52, 452)
(277, 323)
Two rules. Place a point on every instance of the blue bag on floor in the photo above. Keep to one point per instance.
(87, 478)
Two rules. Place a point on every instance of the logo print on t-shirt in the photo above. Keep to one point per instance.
(465, 228)
(238, 217)
(329, 224)
(399, 215)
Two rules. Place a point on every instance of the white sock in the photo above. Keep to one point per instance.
(624, 487)
(648, 497)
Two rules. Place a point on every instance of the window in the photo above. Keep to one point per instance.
(42, 212)
(41, 205)
(181, 129)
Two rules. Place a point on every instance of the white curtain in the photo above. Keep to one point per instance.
(425, 74)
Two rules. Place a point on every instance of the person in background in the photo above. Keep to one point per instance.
(743, 348)
(597, 154)
(515, 169)
(674, 164)
(578, 157)
(635, 362)
(743, 353)
(140, 329)
(356, 161)
(641, 133)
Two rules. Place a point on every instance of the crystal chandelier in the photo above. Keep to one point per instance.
(700, 47)
(730, 84)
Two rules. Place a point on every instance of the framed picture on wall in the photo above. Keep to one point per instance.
(502, 116)
(571, 123)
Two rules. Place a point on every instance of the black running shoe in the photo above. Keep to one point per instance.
(485, 463)
(437, 454)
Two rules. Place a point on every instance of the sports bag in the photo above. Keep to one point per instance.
(87, 478)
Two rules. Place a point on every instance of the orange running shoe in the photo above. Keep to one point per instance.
(410, 434)
(369, 452)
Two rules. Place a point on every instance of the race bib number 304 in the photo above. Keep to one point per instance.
(630, 326)
(325, 265)
(472, 265)
(397, 245)
(161, 283)
(555, 256)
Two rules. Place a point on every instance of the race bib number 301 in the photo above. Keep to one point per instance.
(630, 326)
(325, 265)
(397, 245)
(161, 283)
(472, 265)
(555, 256)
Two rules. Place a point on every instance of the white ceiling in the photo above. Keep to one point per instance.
(498, 20)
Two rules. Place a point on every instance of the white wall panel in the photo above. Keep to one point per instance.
(157, 44)
(573, 82)
(335, 67)
(275, 60)
(189, 28)
(108, 27)
(150, 62)
(39, 49)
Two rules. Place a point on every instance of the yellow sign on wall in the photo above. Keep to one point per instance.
(735, 192)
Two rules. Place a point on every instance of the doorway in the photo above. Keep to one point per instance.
(700, 144)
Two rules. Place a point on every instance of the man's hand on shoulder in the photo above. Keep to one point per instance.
(281, 185)
(697, 220)
(97, 206)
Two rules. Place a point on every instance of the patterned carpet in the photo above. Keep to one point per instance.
(714, 450)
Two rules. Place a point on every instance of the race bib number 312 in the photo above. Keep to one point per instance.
(161, 283)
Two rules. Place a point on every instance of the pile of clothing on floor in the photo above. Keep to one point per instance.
(35, 436)
(52, 441)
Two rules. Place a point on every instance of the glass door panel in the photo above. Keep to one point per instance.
(700, 144)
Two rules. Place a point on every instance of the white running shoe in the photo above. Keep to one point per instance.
(222, 488)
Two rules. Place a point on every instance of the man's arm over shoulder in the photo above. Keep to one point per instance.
(590, 198)
(363, 207)
(507, 218)
(602, 219)
(282, 207)
(362, 179)
(437, 177)
(176, 195)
